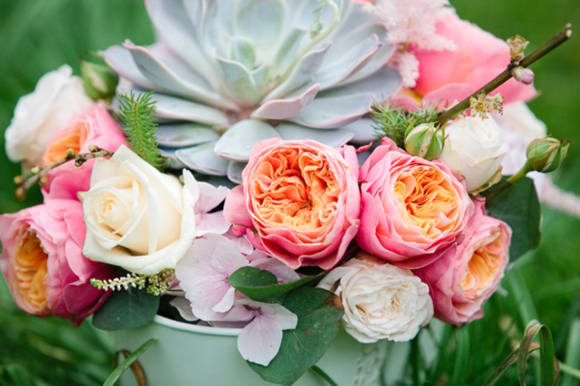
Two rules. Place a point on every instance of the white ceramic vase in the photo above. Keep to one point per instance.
(190, 355)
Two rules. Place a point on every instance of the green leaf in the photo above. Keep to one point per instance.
(518, 205)
(116, 374)
(572, 353)
(301, 348)
(126, 309)
(461, 356)
(138, 113)
(262, 286)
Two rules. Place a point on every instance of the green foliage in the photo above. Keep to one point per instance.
(395, 123)
(518, 205)
(301, 348)
(126, 309)
(116, 374)
(155, 284)
(262, 286)
(138, 114)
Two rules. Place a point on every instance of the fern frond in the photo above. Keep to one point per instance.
(138, 114)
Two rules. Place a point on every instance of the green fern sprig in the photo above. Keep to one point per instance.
(395, 122)
(138, 114)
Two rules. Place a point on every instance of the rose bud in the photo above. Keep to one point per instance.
(424, 141)
(545, 155)
(99, 80)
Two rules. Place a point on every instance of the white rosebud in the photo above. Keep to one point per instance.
(380, 300)
(38, 115)
(473, 148)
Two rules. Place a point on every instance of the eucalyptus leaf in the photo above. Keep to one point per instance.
(262, 286)
(518, 205)
(301, 348)
(126, 309)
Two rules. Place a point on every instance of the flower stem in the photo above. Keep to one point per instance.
(325, 376)
(503, 77)
(39, 176)
(520, 174)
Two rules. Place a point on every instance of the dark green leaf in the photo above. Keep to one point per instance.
(519, 207)
(126, 309)
(301, 348)
(261, 285)
(548, 373)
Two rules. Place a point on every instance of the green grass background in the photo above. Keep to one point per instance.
(37, 36)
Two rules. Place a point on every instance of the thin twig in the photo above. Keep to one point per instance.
(558, 39)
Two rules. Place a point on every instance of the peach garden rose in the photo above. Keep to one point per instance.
(466, 276)
(43, 263)
(412, 209)
(299, 201)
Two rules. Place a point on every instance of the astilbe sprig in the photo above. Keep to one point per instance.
(395, 122)
(156, 284)
(138, 114)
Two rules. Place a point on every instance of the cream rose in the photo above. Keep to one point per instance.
(38, 115)
(473, 148)
(381, 301)
(138, 218)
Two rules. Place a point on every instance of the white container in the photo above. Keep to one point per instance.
(190, 355)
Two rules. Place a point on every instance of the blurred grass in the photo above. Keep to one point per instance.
(37, 36)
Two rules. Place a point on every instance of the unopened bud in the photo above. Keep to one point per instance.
(34, 170)
(79, 162)
(523, 75)
(20, 194)
(99, 80)
(43, 181)
(424, 141)
(69, 153)
(18, 180)
(545, 155)
(517, 45)
(93, 148)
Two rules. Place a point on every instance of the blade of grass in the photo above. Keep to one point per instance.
(572, 354)
(548, 363)
(461, 356)
(116, 374)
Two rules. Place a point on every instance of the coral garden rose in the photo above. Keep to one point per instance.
(92, 126)
(380, 300)
(299, 201)
(43, 263)
(474, 148)
(138, 218)
(412, 209)
(38, 115)
(466, 276)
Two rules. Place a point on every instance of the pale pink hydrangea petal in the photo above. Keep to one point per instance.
(210, 196)
(203, 273)
(282, 272)
(260, 340)
(184, 307)
(210, 223)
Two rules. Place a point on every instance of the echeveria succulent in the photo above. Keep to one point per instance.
(228, 73)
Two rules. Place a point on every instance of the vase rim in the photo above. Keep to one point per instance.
(207, 330)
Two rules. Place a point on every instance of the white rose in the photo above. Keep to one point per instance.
(38, 115)
(473, 148)
(380, 300)
(138, 218)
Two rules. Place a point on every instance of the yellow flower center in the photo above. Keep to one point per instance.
(295, 188)
(30, 268)
(427, 200)
(483, 265)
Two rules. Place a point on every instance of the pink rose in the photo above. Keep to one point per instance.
(43, 263)
(466, 276)
(299, 201)
(454, 75)
(412, 209)
(92, 126)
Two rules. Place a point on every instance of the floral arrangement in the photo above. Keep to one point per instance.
(334, 164)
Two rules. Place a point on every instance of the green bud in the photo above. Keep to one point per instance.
(424, 141)
(545, 155)
(99, 80)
